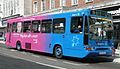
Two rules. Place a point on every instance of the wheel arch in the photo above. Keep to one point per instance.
(18, 42)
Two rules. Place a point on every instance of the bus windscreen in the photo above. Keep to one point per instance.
(100, 28)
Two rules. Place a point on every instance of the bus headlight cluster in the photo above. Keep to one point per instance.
(89, 48)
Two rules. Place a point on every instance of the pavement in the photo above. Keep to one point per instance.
(116, 57)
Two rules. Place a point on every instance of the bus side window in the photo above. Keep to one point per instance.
(76, 24)
(36, 26)
(59, 25)
(46, 26)
(19, 27)
(27, 26)
(14, 27)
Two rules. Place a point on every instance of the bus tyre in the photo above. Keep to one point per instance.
(58, 52)
(18, 46)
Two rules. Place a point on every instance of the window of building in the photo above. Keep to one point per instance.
(59, 25)
(27, 26)
(14, 27)
(46, 26)
(88, 1)
(36, 26)
(19, 26)
(43, 5)
(62, 2)
(52, 4)
(76, 24)
(35, 10)
(74, 2)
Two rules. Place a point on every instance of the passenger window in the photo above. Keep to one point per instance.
(19, 26)
(36, 26)
(76, 24)
(46, 26)
(27, 26)
(59, 25)
(14, 27)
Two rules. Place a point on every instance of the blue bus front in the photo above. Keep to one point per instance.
(100, 37)
(86, 33)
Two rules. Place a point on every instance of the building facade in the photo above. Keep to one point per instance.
(45, 6)
(16, 8)
(1, 15)
(13, 7)
(1, 11)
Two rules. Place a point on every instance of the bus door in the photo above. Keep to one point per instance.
(45, 36)
(76, 36)
(9, 33)
(26, 35)
(86, 26)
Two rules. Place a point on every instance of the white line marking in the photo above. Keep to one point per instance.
(23, 53)
(13, 50)
(35, 61)
(51, 59)
(74, 63)
(35, 56)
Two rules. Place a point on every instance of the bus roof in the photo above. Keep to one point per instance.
(47, 16)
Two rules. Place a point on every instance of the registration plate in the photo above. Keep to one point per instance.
(101, 53)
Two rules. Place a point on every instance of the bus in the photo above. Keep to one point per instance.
(83, 33)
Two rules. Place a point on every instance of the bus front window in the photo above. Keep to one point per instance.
(100, 28)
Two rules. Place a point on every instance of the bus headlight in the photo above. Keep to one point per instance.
(89, 48)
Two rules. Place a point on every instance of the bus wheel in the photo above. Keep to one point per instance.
(58, 52)
(18, 46)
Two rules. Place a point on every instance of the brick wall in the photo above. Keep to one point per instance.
(81, 3)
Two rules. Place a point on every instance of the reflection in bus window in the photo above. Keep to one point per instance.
(35, 26)
(27, 26)
(59, 25)
(46, 26)
(76, 24)
(14, 27)
(19, 27)
(100, 29)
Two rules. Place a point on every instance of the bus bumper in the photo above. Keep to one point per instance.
(96, 54)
